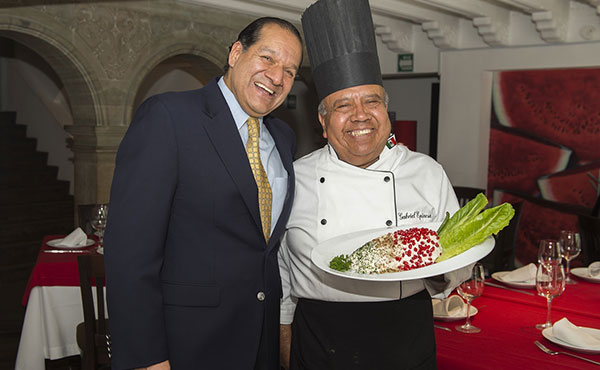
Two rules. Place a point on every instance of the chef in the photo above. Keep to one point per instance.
(361, 180)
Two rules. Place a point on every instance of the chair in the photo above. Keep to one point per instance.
(589, 231)
(596, 209)
(502, 257)
(465, 194)
(93, 336)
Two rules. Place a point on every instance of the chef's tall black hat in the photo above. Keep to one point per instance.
(340, 40)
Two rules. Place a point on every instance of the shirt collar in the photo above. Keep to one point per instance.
(239, 116)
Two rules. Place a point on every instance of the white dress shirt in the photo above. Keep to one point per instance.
(269, 156)
(334, 198)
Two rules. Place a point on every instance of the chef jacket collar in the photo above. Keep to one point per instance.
(334, 157)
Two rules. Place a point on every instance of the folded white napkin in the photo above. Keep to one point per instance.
(564, 330)
(451, 306)
(77, 238)
(525, 273)
(594, 269)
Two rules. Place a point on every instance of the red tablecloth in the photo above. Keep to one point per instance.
(507, 321)
(582, 298)
(54, 269)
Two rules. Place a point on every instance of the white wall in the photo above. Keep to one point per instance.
(425, 54)
(173, 80)
(465, 99)
(411, 100)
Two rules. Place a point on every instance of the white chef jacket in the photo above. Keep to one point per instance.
(334, 198)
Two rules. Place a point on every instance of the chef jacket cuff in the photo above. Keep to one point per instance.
(287, 312)
(442, 285)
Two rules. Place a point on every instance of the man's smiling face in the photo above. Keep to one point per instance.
(356, 123)
(261, 76)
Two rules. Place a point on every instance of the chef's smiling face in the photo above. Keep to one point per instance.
(261, 76)
(356, 123)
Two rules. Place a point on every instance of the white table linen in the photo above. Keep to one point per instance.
(49, 327)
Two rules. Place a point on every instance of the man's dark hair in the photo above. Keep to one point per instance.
(251, 33)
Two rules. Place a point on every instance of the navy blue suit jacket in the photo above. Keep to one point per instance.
(184, 252)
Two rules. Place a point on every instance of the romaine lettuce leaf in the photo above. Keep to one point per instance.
(443, 225)
(464, 214)
(474, 230)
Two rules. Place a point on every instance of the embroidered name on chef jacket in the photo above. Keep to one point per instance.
(417, 215)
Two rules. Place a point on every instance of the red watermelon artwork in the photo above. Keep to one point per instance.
(545, 150)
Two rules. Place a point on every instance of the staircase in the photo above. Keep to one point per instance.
(33, 203)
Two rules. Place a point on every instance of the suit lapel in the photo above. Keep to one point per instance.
(284, 146)
(223, 133)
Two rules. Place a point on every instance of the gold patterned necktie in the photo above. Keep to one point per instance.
(265, 197)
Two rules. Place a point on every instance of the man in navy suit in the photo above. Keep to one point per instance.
(192, 277)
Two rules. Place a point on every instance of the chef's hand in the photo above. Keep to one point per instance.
(285, 342)
(160, 366)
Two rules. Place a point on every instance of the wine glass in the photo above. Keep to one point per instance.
(550, 283)
(469, 290)
(549, 252)
(569, 249)
(98, 222)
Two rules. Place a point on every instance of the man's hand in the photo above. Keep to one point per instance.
(285, 343)
(160, 366)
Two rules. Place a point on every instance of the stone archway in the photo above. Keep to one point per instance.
(58, 53)
(177, 73)
(102, 51)
(78, 85)
(207, 55)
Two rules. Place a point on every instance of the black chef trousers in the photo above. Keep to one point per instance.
(394, 335)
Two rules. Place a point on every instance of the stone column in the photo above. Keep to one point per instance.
(94, 153)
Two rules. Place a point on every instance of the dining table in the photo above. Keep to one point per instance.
(52, 299)
(507, 320)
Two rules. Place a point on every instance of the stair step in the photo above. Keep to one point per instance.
(35, 185)
(8, 356)
(33, 203)
(29, 160)
(13, 130)
(10, 333)
(27, 194)
(21, 176)
(12, 146)
(15, 213)
(12, 311)
(19, 252)
(7, 117)
(33, 230)
(15, 273)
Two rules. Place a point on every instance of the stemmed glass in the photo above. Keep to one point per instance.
(569, 249)
(469, 290)
(549, 252)
(550, 283)
(98, 222)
